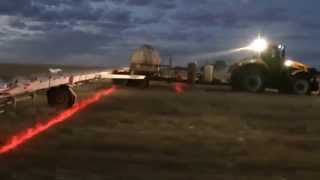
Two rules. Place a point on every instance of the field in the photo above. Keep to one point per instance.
(203, 133)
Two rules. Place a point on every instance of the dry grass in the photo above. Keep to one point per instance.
(204, 133)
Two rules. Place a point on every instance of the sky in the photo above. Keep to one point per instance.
(105, 32)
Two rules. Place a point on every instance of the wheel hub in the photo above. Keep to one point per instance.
(61, 99)
(253, 83)
(301, 86)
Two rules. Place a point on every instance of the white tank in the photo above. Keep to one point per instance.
(145, 55)
(208, 73)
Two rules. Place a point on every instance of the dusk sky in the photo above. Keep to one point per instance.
(104, 32)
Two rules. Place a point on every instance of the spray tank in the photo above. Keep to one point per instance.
(145, 60)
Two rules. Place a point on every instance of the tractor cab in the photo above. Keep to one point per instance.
(274, 57)
(275, 53)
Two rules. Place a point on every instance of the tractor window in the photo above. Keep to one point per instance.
(271, 53)
(274, 53)
(278, 52)
(282, 50)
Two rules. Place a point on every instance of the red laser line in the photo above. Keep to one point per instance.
(29, 133)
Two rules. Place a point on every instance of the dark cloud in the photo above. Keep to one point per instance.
(231, 17)
(166, 4)
(118, 1)
(138, 2)
(14, 7)
(312, 25)
(56, 46)
(163, 4)
(119, 16)
(17, 23)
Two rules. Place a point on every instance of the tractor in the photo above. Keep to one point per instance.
(269, 68)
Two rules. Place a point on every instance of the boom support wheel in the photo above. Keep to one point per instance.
(61, 97)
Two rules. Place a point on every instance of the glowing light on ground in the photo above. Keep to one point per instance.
(23, 137)
(179, 87)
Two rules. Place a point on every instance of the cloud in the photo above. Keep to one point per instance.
(138, 2)
(8, 7)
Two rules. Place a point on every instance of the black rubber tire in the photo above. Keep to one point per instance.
(50, 94)
(61, 97)
(253, 81)
(301, 86)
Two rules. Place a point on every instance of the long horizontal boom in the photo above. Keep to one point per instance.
(47, 82)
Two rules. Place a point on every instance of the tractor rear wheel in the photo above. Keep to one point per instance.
(253, 81)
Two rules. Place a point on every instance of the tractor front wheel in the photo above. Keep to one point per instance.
(301, 86)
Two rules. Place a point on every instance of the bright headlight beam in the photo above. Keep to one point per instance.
(288, 63)
(29, 133)
(259, 45)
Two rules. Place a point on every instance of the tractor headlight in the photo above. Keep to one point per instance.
(259, 45)
(288, 63)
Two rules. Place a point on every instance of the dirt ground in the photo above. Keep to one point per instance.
(202, 133)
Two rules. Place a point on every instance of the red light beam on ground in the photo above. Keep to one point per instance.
(179, 87)
(29, 133)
